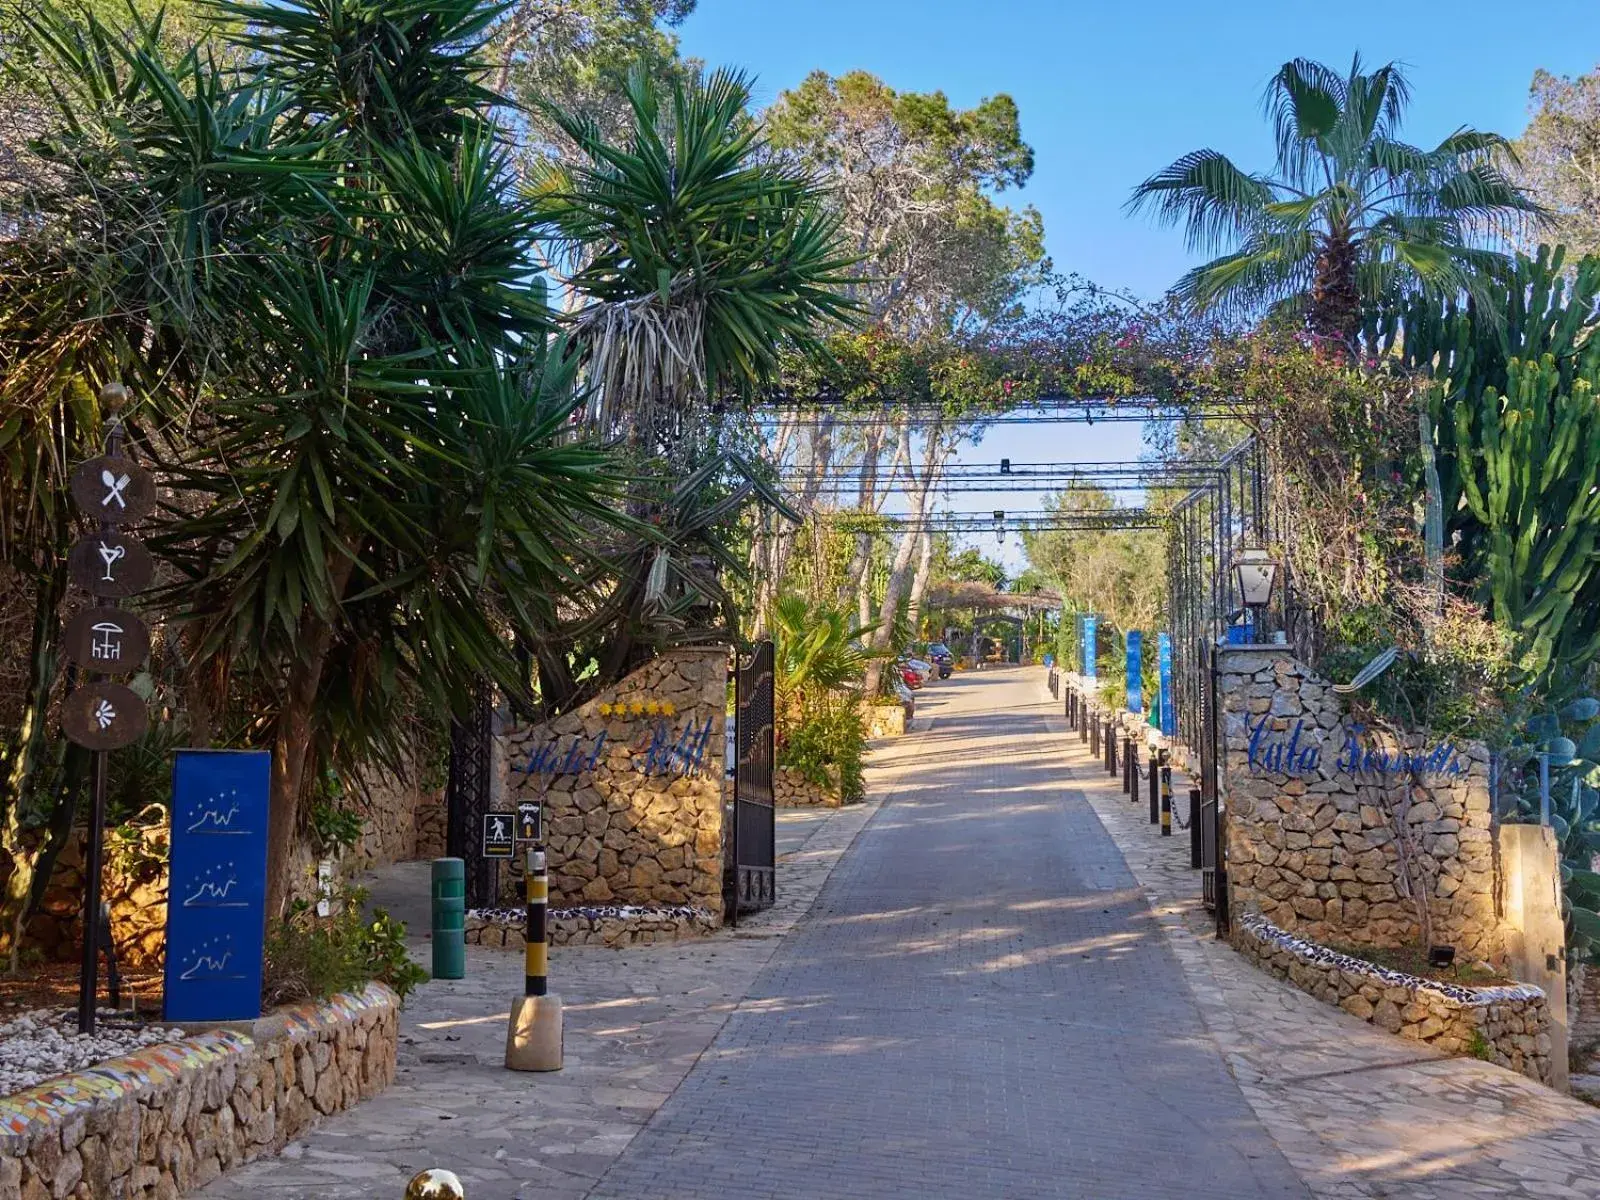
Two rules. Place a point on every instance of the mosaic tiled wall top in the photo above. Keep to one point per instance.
(58, 1099)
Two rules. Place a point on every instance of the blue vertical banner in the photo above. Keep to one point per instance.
(1090, 649)
(216, 902)
(1135, 697)
(1169, 722)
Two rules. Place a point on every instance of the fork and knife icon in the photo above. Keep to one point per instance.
(114, 488)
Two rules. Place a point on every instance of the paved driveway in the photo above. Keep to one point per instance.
(980, 1004)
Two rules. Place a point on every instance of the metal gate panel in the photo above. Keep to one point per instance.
(468, 794)
(750, 881)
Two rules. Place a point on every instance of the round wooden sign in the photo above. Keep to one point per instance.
(114, 489)
(107, 641)
(111, 564)
(102, 715)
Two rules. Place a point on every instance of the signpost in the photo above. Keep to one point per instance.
(100, 715)
(499, 835)
(217, 889)
(530, 821)
(1090, 649)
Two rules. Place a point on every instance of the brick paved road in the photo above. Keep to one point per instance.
(980, 1005)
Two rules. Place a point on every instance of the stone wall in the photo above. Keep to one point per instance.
(609, 925)
(135, 888)
(885, 720)
(393, 807)
(1323, 817)
(177, 1115)
(791, 789)
(631, 784)
(1505, 1025)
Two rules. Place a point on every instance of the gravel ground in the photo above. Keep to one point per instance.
(44, 1043)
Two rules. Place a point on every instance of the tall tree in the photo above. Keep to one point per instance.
(913, 178)
(1349, 213)
(1559, 156)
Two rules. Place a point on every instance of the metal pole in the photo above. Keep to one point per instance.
(1155, 789)
(1127, 766)
(88, 976)
(1195, 828)
(1544, 788)
(536, 956)
(1166, 797)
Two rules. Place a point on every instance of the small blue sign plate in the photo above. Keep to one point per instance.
(216, 904)
(1091, 649)
(1169, 718)
(1135, 684)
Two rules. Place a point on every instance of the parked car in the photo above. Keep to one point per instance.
(907, 700)
(911, 677)
(939, 654)
(922, 667)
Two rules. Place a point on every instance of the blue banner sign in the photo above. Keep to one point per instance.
(1135, 686)
(216, 902)
(1169, 718)
(1090, 648)
(1300, 751)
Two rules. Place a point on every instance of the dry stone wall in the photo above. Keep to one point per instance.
(175, 1116)
(610, 925)
(631, 785)
(791, 789)
(1332, 828)
(1507, 1025)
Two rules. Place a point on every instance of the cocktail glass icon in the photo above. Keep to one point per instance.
(104, 714)
(109, 555)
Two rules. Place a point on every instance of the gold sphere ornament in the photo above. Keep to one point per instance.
(113, 397)
(435, 1184)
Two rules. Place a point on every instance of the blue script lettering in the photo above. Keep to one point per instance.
(1295, 754)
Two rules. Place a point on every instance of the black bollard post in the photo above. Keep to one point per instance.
(1111, 749)
(1127, 766)
(1194, 828)
(1166, 797)
(1155, 790)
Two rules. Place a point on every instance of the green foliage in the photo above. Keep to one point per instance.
(333, 829)
(828, 744)
(1555, 152)
(1510, 396)
(1570, 736)
(1478, 1046)
(311, 958)
(912, 178)
(818, 650)
(1349, 215)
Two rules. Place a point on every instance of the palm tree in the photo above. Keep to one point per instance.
(1350, 214)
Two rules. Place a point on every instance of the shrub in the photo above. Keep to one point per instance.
(825, 741)
(311, 958)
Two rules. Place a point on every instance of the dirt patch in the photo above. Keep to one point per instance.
(54, 985)
(1413, 960)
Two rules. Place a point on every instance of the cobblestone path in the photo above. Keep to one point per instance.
(981, 1004)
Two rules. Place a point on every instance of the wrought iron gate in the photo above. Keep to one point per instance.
(749, 874)
(468, 794)
(1213, 838)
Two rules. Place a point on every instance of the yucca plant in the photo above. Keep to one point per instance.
(695, 259)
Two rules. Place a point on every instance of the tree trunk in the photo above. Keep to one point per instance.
(919, 584)
(899, 574)
(292, 746)
(1335, 311)
(866, 502)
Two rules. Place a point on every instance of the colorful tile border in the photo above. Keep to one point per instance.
(57, 1100)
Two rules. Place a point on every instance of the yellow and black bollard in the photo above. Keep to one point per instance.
(1166, 797)
(534, 1037)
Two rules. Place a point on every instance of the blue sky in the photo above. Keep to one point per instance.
(1110, 92)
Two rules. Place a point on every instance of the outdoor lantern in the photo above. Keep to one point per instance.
(1254, 571)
